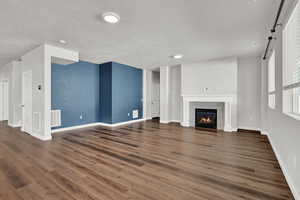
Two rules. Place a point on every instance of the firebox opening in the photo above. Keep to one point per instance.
(206, 118)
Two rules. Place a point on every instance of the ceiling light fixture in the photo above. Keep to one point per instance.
(177, 56)
(111, 17)
(62, 41)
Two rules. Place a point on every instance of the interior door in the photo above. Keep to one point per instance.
(155, 107)
(5, 100)
(27, 102)
(1, 102)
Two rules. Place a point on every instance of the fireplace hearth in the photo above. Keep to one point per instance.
(206, 118)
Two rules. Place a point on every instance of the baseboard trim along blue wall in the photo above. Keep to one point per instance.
(89, 93)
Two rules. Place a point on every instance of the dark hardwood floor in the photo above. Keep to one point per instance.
(146, 161)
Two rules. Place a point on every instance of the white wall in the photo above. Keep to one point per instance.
(6, 75)
(11, 73)
(175, 94)
(249, 90)
(34, 61)
(164, 94)
(16, 95)
(283, 131)
(219, 77)
(147, 80)
(155, 94)
(38, 61)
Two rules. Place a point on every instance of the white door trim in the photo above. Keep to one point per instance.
(24, 106)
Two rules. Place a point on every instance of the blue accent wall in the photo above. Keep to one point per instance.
(76, 91)
(127, 92)
(106, 93)
(121, 92)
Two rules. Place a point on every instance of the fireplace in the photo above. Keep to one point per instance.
(206, 118)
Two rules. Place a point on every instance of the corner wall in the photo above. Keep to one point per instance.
(121, 92)
(249, 91)
(38, 61)
(34, 61)
(283, 131)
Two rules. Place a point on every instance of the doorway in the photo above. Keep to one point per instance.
(27, 102)
(155, 96)
(4, 99)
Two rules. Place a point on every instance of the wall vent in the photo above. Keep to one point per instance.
(55, 118)
(36, 121)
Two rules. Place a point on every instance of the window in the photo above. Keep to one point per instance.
(271, 81)
(291, 65)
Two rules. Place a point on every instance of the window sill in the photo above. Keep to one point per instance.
(293, 115)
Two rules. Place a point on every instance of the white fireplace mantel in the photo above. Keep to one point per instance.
(229, 108)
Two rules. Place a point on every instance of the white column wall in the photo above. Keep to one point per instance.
(164, 95)
(147, 81)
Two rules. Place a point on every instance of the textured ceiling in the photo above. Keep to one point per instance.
(148, 33)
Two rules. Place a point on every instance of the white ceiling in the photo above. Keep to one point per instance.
(148, 33)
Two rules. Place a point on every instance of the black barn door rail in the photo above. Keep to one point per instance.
(273, 30)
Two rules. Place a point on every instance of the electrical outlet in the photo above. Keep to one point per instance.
(135, 114)
(80, 117)
(128, 114)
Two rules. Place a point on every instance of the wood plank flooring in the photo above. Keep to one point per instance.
(145, 161)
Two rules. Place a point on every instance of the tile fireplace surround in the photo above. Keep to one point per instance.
(230, 108)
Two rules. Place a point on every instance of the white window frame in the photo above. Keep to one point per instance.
(272, 81)
(293, 108)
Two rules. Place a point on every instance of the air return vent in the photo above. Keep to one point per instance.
(36, 121)
(55, 118)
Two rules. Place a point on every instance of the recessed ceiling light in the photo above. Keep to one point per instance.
(62, 41)
(111, 17)
(177, 56)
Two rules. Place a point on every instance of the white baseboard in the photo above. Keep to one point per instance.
(167, 122)
(164, 122)
(249, 128)
(229, 129)
(121, 123)
(14, 125)
(96, 124)
(264, 132)
(41, 137)
(284, 170)
(185, 124)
